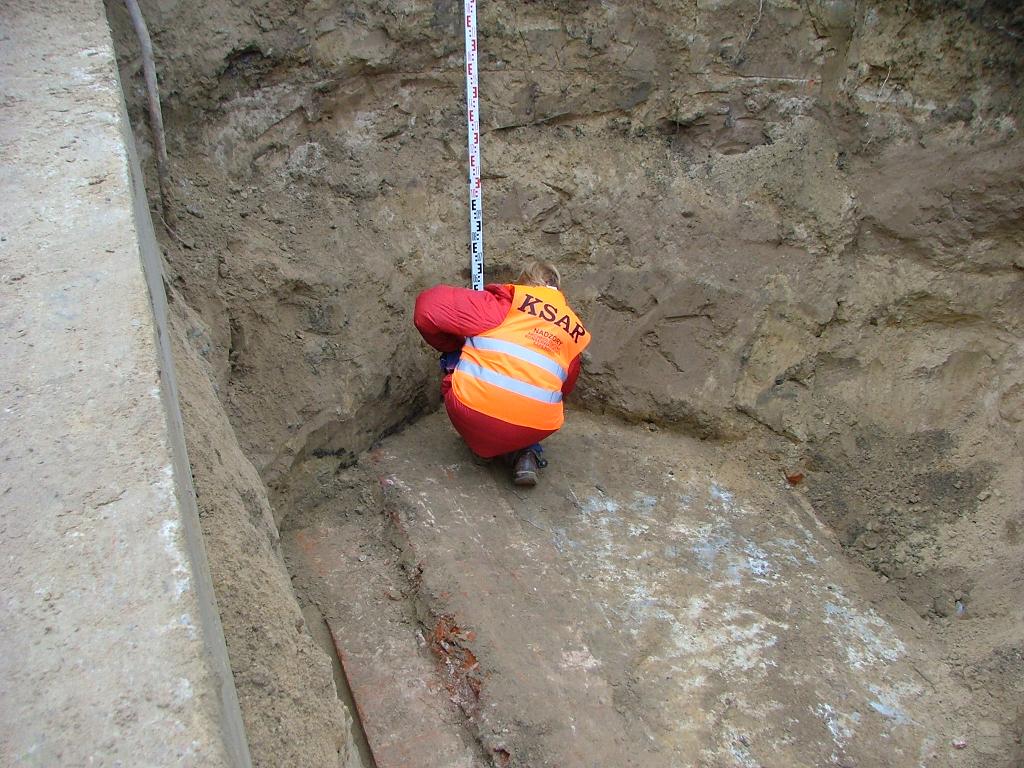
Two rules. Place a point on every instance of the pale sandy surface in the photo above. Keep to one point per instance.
(111, 651)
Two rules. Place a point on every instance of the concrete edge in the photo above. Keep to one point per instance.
(151, 257)
(112, 652)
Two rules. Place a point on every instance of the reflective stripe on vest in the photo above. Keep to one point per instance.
(518, 350)
(507, 382)
(515, 371)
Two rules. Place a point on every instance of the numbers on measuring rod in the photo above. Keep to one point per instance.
(476, 223)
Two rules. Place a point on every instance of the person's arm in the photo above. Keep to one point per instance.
(570, 380)
(446, 315)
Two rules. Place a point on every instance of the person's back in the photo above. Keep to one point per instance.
(510, 353)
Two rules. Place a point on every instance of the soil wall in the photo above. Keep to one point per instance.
(791, 225)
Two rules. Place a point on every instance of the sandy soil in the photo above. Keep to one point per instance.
(654, 602)
(793, 229)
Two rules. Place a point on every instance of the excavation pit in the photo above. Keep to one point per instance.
(795, 236)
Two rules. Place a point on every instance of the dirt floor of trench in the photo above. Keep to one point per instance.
(656, 601)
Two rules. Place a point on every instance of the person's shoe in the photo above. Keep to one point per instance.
(525, 468)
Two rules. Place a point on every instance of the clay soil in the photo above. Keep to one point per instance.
(794, 230)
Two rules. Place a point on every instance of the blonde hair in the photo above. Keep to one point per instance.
(540, 273)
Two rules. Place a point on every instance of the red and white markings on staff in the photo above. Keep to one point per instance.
(476, 203)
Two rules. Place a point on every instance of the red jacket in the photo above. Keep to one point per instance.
(445, 316)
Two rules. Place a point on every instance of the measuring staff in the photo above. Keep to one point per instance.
(476, 203)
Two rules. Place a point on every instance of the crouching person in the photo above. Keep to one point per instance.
(510, 354)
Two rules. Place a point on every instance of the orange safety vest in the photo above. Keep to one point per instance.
(514, 372)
